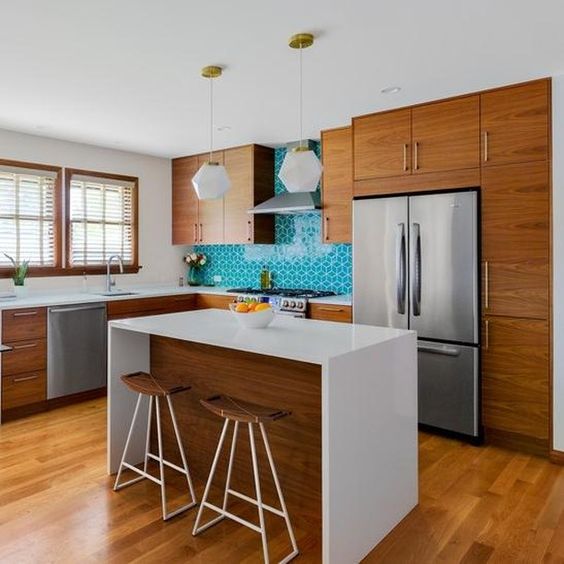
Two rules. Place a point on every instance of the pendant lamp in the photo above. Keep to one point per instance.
(211, 181)
(301, 169)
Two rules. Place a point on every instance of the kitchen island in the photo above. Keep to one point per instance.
(347, 455)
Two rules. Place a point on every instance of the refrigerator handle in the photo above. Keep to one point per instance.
(401, 270)
(416, 279)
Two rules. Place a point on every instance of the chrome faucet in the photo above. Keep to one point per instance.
(109, 281)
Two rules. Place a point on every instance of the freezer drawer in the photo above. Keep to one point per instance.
(448, 387)
(76, 349)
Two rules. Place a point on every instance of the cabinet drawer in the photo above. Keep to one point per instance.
(326, 312)
(24, 389)
(25, 356)
(24, 324)
(150, 306)
(206, 301)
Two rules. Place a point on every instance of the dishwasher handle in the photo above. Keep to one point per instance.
(78, 308)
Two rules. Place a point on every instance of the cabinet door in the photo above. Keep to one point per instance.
(238, 223)
(516, 240)
(515, 376)
(446, 135)
(381, 144)
(337, 185)
(210, 211)
(515, 124)
(184, 202)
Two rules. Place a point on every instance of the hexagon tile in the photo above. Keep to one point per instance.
(298, 259)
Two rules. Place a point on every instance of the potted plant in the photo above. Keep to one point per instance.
(195, 262)
(20, 272)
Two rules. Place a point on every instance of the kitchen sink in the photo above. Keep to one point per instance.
(117, 293)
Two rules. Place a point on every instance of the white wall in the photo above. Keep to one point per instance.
(558, 258)
(160, 260)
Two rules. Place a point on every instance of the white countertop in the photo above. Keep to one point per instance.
(305, 340)
(41, 299)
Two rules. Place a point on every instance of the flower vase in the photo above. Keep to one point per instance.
(194, 278)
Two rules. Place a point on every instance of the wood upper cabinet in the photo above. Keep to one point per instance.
(251, 170)
(337, 194)
(446, 135)
(382, 144)
(516, 240)
(515, 376)
(210, 211)
(184, 202)
(515, 124)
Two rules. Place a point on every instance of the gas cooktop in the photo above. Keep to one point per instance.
(284, 292)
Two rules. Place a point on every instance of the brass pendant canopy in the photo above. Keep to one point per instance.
(301, 40)
(211, 71)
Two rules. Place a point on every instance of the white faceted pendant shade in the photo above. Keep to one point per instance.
(211, 181)
(300, 171)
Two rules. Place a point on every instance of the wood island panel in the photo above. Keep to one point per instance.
(295, 440)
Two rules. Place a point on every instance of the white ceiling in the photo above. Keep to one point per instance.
(125, 73)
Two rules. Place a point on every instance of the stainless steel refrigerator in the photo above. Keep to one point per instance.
(415, 265)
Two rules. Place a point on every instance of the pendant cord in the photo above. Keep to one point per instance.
(211, 118)
(301, 101)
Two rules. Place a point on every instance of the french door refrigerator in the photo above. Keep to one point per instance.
(415, 266)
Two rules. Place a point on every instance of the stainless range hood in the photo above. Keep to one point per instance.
(290, 203)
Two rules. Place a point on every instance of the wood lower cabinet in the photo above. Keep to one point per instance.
(515, 124)
(24, 382)
(185, 220)
(217, 301)
(336, 145)
(251, 170)
(446, 135)
(329, 312)
(139, 307)
(382, 144)
(516, 240)
(515, 378)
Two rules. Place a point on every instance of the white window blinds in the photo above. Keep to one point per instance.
(101, 213)
(27, 216)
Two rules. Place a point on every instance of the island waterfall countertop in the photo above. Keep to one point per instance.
(48, 298)
(305, 340)
(347, 454)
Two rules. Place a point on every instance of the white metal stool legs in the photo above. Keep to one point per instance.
(160, 458)
(222, 511)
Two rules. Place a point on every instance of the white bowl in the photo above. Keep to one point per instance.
(254, 319)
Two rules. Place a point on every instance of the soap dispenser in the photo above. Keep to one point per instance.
(265, 278)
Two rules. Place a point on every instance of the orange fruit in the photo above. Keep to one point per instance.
(252, 306)
(242, 308)
(262, 307)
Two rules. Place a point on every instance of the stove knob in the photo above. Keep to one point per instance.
(292, 304)
(285, 303)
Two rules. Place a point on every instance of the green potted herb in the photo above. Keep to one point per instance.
(20, 272)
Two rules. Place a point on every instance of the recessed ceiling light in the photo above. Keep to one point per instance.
(391, 90)
(224, 128)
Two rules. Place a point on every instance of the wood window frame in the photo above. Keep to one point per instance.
(100, 269)
(57, 270)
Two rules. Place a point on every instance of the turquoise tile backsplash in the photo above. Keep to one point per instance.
(298, 259)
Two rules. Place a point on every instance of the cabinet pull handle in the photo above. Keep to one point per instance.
(334, 309)
(327, 228)
(201, 232)
(28, 346)
(486, 156)
(25, 314)
(249, 225)
(487, 334)
(416, 155)
(405, 147)
(195, 232)
(25, 378)
(487, 285)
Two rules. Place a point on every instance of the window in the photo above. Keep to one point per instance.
(101, 219)
(29, 214)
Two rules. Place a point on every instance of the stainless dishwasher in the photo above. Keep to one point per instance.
(76, 349)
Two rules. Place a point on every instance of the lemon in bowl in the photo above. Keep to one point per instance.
(257, 316)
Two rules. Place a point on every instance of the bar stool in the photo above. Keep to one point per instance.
(146, 385)
(239, 411)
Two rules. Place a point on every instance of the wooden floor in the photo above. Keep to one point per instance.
(56, 505)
